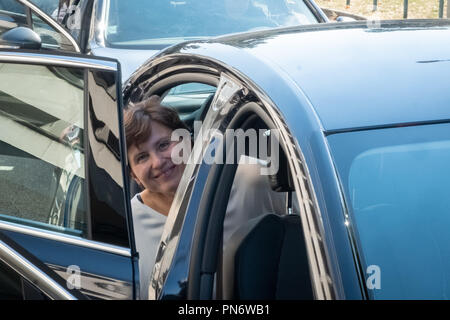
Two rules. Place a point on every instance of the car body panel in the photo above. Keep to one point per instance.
(114, 282)
(302, 120)
(130, 59)
(396, 183)
(27, 277)
(356, 69)
(249, 58)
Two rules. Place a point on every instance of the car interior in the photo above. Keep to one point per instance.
(254, 246)
(265, 257)
(252, 249)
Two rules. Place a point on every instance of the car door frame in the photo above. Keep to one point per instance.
(172, 267)
(51, 247)
(39, 278)
(81, 45)
(31, 7)
(317, 11)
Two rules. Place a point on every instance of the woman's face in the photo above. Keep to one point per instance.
(151, 163)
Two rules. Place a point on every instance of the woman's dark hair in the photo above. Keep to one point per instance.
(138, 118)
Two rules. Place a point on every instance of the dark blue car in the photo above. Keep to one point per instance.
(361, 119)
(133, 32)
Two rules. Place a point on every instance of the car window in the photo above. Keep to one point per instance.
(51, 38)
(48, 6)
(12, 14)
(188, 100)
(42, 171)
(68, 13)
(11, 7)
(396, 184)
(168, 22)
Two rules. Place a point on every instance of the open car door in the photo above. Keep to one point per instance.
(63, 177)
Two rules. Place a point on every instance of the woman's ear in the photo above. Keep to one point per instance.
(133, 175)
(135, 178)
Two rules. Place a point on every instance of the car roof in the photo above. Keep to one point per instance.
(354, 75)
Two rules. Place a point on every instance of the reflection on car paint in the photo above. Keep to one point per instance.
(96, 286)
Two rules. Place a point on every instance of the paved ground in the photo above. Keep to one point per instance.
(387, 9)
(31, 179)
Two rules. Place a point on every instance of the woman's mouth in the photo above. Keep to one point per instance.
(166, 173)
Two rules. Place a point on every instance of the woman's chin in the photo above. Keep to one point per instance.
(166, 185)
(169, 187)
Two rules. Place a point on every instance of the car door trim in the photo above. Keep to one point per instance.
(33, 274)
(51, 22)
(55, 236)
(311, 216)
(57, 60)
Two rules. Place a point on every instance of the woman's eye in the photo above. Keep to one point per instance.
(141, 157)
(164, 145)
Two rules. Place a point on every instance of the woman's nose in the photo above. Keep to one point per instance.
(156, 161)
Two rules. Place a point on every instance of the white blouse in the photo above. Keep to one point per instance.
(148, 227)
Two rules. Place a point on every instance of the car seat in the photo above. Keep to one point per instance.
(266, 260)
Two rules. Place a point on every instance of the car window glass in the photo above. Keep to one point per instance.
(188, 99)
(42, 171)
(55, 9)
(11, 7)
(12, 14)
(51, 38)
(68, 13)
(169, 22)
(396, 184)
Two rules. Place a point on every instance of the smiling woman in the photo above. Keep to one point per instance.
(148, 129)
